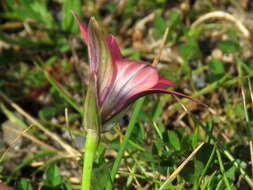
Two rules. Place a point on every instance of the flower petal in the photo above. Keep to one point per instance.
(159, 90)
(129, 101)
(83, 28)
(132, 78)
(100, 59)
(113, 47)
(164, 83)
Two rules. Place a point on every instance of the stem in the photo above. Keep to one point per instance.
(90, 150)
(130, 128)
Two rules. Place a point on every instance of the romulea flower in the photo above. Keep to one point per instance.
(116, 81)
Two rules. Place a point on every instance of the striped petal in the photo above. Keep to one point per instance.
(83, 28)
(100, 59)
(132, 78)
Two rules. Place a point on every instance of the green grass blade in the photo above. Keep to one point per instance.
(171, 178)
(238, 165)
(130, 128)
(62, 92)
(196, 187)
(222, 169)
(25, 42)
(12, 116)
(251, 156)
(29, 161)
(217, 84)
(228, 154)
(69, 23)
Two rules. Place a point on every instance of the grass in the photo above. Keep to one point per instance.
(203, 47)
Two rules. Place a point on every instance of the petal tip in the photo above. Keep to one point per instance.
(82, 27)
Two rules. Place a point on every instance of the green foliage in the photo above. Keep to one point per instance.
(25, 9)
(216, 69)
(190, 50)
(176, 27)
(53, 178)
(129, 8)
(111, 7)
(159, 26)
(69, 23)
(24, 184)
(229, 46)
(174, 142)
(43, 70)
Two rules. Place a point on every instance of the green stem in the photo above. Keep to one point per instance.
(90, 150)
(130, 128)
(222, 169)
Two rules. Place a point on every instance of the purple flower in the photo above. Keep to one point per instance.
(118, 81)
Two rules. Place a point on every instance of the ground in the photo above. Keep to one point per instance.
(207, 53)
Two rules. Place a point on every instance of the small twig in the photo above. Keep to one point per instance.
(245, 105)
(141, 24)
(250, 90)
(67, 124)
(66, 117)
(35, 140)
(162, 44)
(251, 155)
(55, 137)
(251, 142)
(14, 141)
(222, 15)
(226, 152)
(179, 169)
(13, 118)
(222, 169)
(42, 144)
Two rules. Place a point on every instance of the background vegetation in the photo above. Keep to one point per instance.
(43, 66)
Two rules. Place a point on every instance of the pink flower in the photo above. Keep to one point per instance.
(119, 81)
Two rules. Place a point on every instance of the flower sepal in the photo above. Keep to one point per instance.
(91, 111)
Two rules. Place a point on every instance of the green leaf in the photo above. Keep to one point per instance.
(67, 186)
(157, 148)
(188, 171)
(111, 7)
(63, 92)
(47, 113)
(175, 18)
(159, 26)
(35, 78)
(165, 73)
(26, 42)
(190, 49)
(53, 177)
(36, 10)
(174, 141)
(230, 173)
(216, 67)
(91, 113)
(103, 174)
(69, 22)
(129, 9)
(24, 184)
(176, 27)
(239, 110)
(229, 46)
(42, 12)
(245, 66)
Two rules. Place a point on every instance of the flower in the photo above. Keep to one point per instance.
(118, 81)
